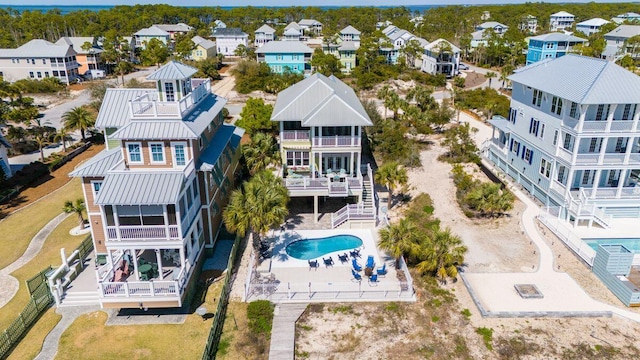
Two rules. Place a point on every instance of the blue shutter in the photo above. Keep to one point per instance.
(511, 146)
(524, 149)
(530, 157)
(531, 126)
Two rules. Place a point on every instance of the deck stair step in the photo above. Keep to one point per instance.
(80, 298)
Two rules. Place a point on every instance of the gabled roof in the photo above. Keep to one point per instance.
(266, 29)
(292, 25)
(478, 35)
(629, 15)
(179, 27)
(38, 48)
(98, 165)
(436, 43)
(152, 31)
(141, 188)
(114, 111)
(286, 47)
(562, 14)
(389, 29)
(230, 32)
(347, 46)
(309, 22)
(581, 79)
(292, 32)
(398, 34)
(78, 42)
(320, 101)
(205, 43)
(173, 70)
(624, 31)
(490, 25)
(220, 24)
(555, 36)
(593, 22)
(226, 134)
(350, 30)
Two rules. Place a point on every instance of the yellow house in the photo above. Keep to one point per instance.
(204, 48)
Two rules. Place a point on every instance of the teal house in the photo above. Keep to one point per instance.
(281, 56)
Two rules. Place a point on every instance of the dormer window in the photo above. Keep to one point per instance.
(135, 154)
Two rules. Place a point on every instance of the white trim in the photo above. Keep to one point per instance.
(173, 153)
(141, 162)
(164, 157)
(93, 189)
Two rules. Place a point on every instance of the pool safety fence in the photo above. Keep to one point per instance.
(563, 231)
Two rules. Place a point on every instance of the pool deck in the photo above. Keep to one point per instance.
(619, 228)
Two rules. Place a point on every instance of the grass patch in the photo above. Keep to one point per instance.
(435, 318)
(466, 313)
(89, 335)
(31, 344)
(49, 255)
(260, 315)
(243, 342)
(20, 227)
(343, 309)
(487, 336)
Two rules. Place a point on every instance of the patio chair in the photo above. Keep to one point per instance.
(373, 279)
(382, 271)
(313, 264)
(356, 266)
(356, 275)
(343, 258)
(144, 277)
(370, 263)
(355, 253)
(328, 262)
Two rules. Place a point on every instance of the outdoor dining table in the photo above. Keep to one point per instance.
(144, 269)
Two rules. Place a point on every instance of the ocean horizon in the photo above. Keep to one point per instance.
(65, 9)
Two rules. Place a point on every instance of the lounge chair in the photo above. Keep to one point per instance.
(313, 264)
(343, 258)
(328, 262)
(382, 271)
(373, 278)
(370, 263)
(355, 253)
(356, 275)
(356, 266)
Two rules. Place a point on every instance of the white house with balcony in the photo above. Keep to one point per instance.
(154, 196)
(591, 26)
(321, 122)
(561, 21)
(39, 59)
(572, 138)
(263, 35)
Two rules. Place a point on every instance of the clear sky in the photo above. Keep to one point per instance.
(273, 2)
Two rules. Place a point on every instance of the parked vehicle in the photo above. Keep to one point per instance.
(463, 67)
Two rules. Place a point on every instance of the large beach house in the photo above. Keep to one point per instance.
(39, 59)
(154, 196)
(572, 138)
(321, 123)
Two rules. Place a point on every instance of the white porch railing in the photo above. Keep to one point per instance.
(565, 155)
(142, 232)
(295, 135)
(336, 141)
(149, 107)
(352, 212)
(590, 158)
(557, 187)
(563, 231)
(333, 187)
(612, 193)
(152, 288)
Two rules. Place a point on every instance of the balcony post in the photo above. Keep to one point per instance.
(152, 289)
(583, 114)
(134, 260)
(126, 289)
(610, 117)
(159, 260)
(596, 182)
(627, 153)
(603, 149)
(621, 180)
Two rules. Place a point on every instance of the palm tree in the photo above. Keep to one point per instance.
(422, 96)
(78, 118)
(261, 204)
(489, 199)
(504, 74)
(394, 103)
(442, 254)
(262, 152)
(78, 207)
(62, 135)
(490, 75)
(399, 239)
(383, 94)
(392, 176)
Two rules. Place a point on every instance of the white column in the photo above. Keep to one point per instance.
(583, 114)
(603, 149)
(134, 260)
(320, 162)
(159, 262)
(612, 110)
(627, 153)
(621, 180)
(596, 181)
(569, 182)
(312, 164)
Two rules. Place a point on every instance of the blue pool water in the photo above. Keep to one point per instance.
(631, 244)
(308, 249)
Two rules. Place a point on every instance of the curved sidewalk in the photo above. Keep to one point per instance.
(51, 342)
(10, 285)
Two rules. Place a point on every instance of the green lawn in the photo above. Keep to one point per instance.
(19, 228)
(89, 336)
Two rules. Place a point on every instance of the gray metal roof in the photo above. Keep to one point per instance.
(309, 22)
(437, 42)
(173, 70)
(320, 101)
(151, 31)
(147, 188)
(561, 13)
(154, 130)
(98, 165)
(205, 43)
(231, 32)
(78, 42)
(292, 25)
(350, 30)
(593, 22)
(582, 79)
(490, 25)
(284, 47)
(38, 48)
(347, 46)
(226, 134)
(556, 36)
(266, 29)
(292, 32)
(179, 27)
(114, 111)
(624, 31)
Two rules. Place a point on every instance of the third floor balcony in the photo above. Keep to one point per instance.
(149, 106)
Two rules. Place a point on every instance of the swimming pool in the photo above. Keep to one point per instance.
(313, 248)
(629, 243)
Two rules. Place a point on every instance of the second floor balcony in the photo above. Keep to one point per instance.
(304, 136)
(143, 232)
(149, 106)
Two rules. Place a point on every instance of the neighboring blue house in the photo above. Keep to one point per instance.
(551, 46)
(283, 55)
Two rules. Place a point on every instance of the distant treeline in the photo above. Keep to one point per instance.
(448, 22)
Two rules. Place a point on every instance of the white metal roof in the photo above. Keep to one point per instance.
(491, 25)
(179, 27)
(141, 188)
(557, 37)
(347, 46)
(154, 130)
(266, 29)
(292, 25)
(173, 70)
(309, 22)
(98, 165)
(436, 43)
(152, 31)
(114, 111)
(624, 31)
(320, 101)
(350, 30)
(284, 47)
(581, 79)
(38, 48)
(205, 43)
(561, 14)
(593, 22)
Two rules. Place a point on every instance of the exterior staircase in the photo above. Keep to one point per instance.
(80, 298)
(364, 210)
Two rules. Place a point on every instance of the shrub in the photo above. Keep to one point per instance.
(487, 336)
(260, 316)
(480, 199)
(48, 85)
(489, 101)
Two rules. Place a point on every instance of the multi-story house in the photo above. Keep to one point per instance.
(154, 196)
(39, 59)
(441, 57)
(617, 45)
(175, 29)
(350, 34)
(479, 37)
(497, 27)
(4, 157)
(628, 17)
(572, 138)
(321, 123)
(551, 46)
(219, 24)
(144, 36)
(345, 51)
(88, 53)
(282, 56)
(204, 48)
(529, 24)
(292, 34)
(399, 38)
(561, 21)
(228, 40)
(591, 26)
(263, 35)
(311, 26)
